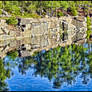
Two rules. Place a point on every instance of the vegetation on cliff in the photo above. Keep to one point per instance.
(12, 21)
(41, 8)
(89, 30)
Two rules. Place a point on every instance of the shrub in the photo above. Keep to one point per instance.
(30, 15)
(12, 10)
(88, 21)
(44, 13)
(12, 21)
(89, 31)
(12, 54)
(0, 12)
(74, 11)
(59, 14)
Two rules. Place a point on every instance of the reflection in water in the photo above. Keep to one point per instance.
(60, 65)
(4, 73)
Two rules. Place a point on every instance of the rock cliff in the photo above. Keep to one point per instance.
(45, 32)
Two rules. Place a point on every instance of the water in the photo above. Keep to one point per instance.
(66, 68)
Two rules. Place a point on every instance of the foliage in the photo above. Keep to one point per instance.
(31, 15)
(89, 31)
(59, 64)
(59, 14)
(13, 54)
(64, 4)
(0, 12)
(3, 76)
(74, 11)
(12, 20)
(0, 4)
(33, 7)
(2, 71)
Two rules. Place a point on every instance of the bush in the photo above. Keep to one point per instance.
(0, 12)
(30, 15)
(59, 14)
(44, 13)
(12, 10)
(88, 21)
(12, 54)
(89, 31)
(12, 21)
(74, 11)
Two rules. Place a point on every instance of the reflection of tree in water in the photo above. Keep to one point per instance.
(12, 54)
(5, 69)
(4, 73)
(61, 64)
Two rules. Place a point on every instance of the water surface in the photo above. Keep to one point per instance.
(66, 68)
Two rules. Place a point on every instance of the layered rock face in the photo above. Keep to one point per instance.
(45, 32)
(53, 31)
